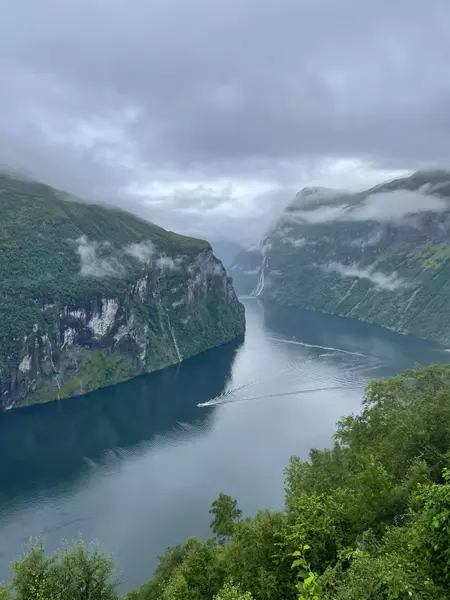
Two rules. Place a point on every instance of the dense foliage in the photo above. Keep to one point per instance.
(368, 519)
(39, 230)
(62, 261)
(391, 272)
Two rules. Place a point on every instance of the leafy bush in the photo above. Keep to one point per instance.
(368, 519)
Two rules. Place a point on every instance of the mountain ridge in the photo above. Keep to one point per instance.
(381, 255)
(92, 295)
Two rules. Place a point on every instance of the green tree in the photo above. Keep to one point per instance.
(403, 418)
(76, 573)
(5, 592)
(225, 512)
(430, 533)
(232, 592)
(255, 558)
(371, 517)
(33, 577)
(86, 573)
(308, 586)
(177, 587)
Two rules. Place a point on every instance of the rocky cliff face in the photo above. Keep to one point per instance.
(381, 256)
(92, 296)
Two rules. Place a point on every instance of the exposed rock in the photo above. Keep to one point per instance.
(81, 312)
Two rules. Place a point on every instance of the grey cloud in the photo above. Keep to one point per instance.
(323, 214)
(102, 100)
(373, 239)
(382, 206)
(380, 280)
(218, 214)
(100, 259)
(266, 248)
(165, 262)
(295, 242)
(396, 205)
(96, 259)
(252, 272)
(143, 252)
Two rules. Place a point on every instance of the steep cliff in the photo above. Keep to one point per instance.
(382, 255)
(91, 296)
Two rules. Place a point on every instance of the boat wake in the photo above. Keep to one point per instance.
(332, 369)
(305, 345)
(217, 402)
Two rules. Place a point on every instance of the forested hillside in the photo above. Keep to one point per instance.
(381, 255)
(368, 519)
(91, 295)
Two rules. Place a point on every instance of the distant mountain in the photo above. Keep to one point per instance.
(225, 251)
(382, 255)
(91, 295)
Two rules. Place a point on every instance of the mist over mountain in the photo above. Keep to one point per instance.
(381, 255)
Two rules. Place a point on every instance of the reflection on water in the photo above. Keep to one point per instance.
(137, 465)
(393, 353)
(42, 447)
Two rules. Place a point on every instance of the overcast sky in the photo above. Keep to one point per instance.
(207, 115)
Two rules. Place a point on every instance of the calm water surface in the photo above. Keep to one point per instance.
(138, 465)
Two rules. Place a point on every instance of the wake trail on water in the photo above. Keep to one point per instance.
(216, 402)
(293, 366)
(305, 345)
(308, 369)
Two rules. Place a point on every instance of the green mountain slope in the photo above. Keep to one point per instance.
(381, 256)
(91, 295)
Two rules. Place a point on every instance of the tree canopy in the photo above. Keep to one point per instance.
(368, 519)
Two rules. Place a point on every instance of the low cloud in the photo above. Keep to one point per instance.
(97, 260)
(373, 240)
(143, 252)
(218, 269)
(323, 214)
(266, 248)
(166, 263)
(380, 280)
(312, 196)
(394, 206)
(296, 243)
(78, 113)
(100, 259)
(252, 272)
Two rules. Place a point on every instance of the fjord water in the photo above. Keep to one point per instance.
(136, 466)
